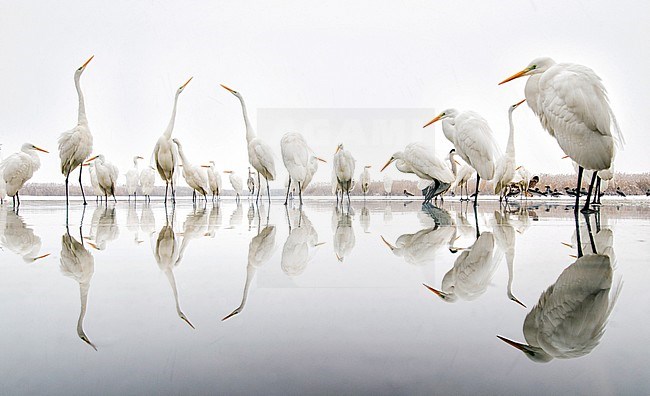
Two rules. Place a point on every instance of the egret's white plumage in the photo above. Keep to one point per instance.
(473, 139)
(133, 178)
(260, 155)
(165, 153)
(388, 184)
(18, 168)
(462, 173)
(76, 144)
(147, 180)
(504, 171)
(295, 156)
(103, 227)
(344, 239)
(214, 180)
(504, 236)
(364, 179)
(236, 183)
(194, 176)
(107, 174)
(18, 238)
(344, 170)
(419, 159)
(422, 247)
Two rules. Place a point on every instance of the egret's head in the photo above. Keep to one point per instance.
(232, 91)
(396, 156)
(29, 147)
(83, 67)
(536, 354)
(178, 143)
(444, 296)
(449, 113)
(537, 66)
(514, 106)
(182, 87)
(339, 148)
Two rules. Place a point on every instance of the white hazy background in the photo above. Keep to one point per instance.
(304, 54)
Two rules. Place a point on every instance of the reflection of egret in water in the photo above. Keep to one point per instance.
(18, 238)
(133, 223)
(147, 220)
(302, 236)
(260, 251)
(215, 220)
(388, 214)
(103, 227)
(504, 235)
(472, 271)
(77, 263)
(570, 317)
(344, 239)
(168, 255)
(237, 215)
(364, 219)
(421, 248)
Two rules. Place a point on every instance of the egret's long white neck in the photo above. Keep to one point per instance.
(186, 163)
(82, 106)
(449, 129)
(83, 294)
(510, 147)
(170, 127)
(250, 132)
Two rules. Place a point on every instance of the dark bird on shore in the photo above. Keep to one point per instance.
(407, 194)
(619, 192)
(533, 182)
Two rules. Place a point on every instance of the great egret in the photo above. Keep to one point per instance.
(504, 171)
(421, 247)
(260, 250)
(260, 155)
(312, 168)
(77, 263)
(214, 180)
(344, 239)
(462, 173)
(133, 179)
(572, 105)
(236, 183)
(93, 180)
(106, 175)
(103, 227)
(344, 170)
(165, 152)
(522, 179)
(250, 182)
(147, 180)
(473, 139)
(194, 176)
(388, 184)
(419, 159)
(18, 168)
(364, 179)
(505, 238)
(76, 144)
(295, 156)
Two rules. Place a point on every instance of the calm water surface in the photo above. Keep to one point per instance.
(131, 300)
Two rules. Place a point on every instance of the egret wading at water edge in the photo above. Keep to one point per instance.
(473, 140)
(295, 155)
(505, 169)
(343, 171)
(260, 155)
(133, 179)
(17, 169)
(76, 144)
(165, 153)
(571, 103)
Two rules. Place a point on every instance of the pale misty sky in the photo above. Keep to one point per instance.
(305, 54)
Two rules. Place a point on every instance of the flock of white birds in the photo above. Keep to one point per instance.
(569, 99)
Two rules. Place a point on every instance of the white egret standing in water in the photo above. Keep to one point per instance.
(133, 179)
(343, 170)
(19, 167)
(504, 171)
(76, 144)
(572, 105)
(295, 156)
(194, 176)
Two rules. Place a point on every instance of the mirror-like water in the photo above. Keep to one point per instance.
(235, 298)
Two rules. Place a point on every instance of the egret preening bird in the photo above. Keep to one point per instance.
(260, 155)
(194, 176)
(312, 168)
(18, 168)
(504, 171)
(344, 170)
(473, 139)
(147, 180)
(419, 159)
(236, 183)
(462, 173)
(572, 105)
(165, 153)
(106, 176)
(76, 144)
(364, 179)
(214, 180)
(295, 155)
(133, 179)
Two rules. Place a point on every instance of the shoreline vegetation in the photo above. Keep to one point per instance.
(631, 184)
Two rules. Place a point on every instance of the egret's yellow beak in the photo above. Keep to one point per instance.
(87, 62)
(516, 75)
(520, 102)
(40, 149)
(229, 89)
(90, 159)
(187, 82)
(438, 117)
(387, 163)
(321, 160)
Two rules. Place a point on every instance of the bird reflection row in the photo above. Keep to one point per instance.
(567, 321)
